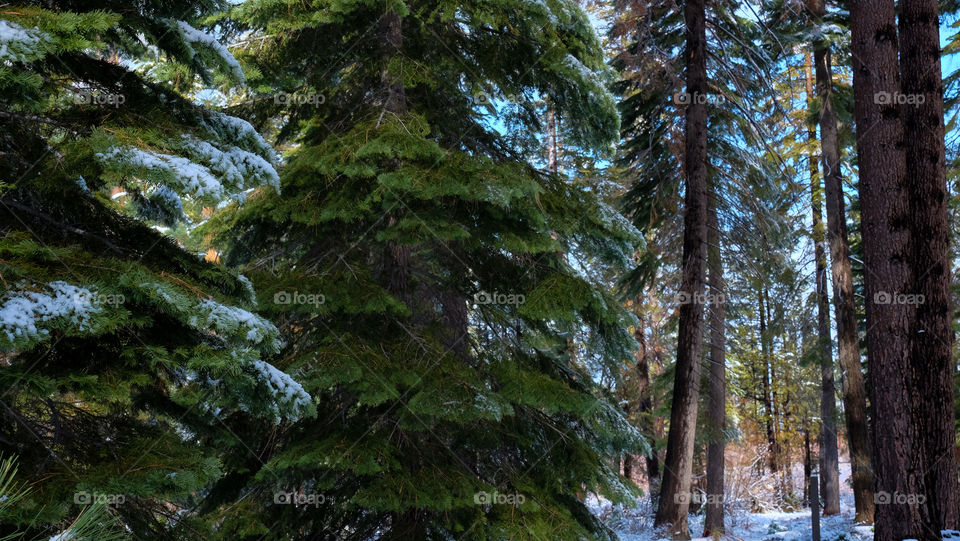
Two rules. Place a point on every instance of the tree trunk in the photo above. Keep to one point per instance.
(931, 359)
(829, 454)
(553, 146)
(644, 401)
(713, 521)
(886, 220)
(854, 390)
(767, 397)
(807, 467)
(675, 490)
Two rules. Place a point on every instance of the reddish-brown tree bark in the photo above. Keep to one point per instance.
(829, 453)
(713, 520)
(675, 489)
(931, 360)
(885, 214)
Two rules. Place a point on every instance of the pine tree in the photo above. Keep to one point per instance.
(125, 358)
(425, 274)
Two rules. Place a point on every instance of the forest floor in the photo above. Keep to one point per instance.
(636, 523)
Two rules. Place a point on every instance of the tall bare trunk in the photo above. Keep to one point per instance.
(829, 454)
(713, 521)
(854, 390)
(931, 359)
(886, 219)
(675, 490)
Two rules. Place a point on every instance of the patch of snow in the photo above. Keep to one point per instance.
(542, 6)
(159, 290)
(22, 311)
(19, 44)
(635, 523)
(284, 388)
(231, 128)
(249, 286)
(615, 220)
(169, 198)
(230, 320)
(193, 178)
(65, 535)
(194, 36)
(586, 74)
(237, 166)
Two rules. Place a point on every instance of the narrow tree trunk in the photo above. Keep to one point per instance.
(886, 218)
(767, 396)
(456, 320)
(656, 424)
(807, 467)
(713, 521)
(552, 143)
(644, 401)
(854, 389)
(829, 454)
(931, 359)
(675, 490)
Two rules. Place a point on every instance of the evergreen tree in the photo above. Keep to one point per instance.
(428, 277)
(125, 358)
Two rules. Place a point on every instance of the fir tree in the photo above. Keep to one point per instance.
(426, 274)
(126, 360)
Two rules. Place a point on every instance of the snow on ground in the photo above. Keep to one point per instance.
(636, 523)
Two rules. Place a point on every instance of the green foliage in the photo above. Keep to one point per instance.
(125, 359)
(398, 219)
